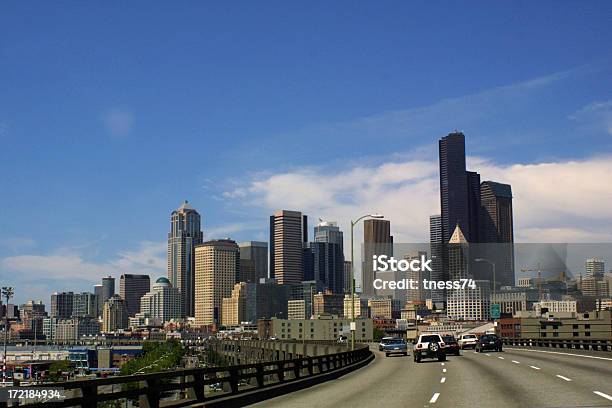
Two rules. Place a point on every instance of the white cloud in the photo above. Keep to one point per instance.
(596, 114)
(553, 202)
(68, 269)
(118, 122)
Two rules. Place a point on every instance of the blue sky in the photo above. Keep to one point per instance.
(111, 114)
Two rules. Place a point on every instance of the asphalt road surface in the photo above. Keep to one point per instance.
(516, 377)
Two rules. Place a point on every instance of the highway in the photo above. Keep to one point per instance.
(516, 377)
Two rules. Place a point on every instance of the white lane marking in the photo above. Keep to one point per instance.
(488, 355)
(564, 378)
(442, 380)
(444, 370)
(442, 363)
(601, 394)
(535, 368)
(501, 358)
(434, 398)
(474, 352)
(557, 352)
(516, 362)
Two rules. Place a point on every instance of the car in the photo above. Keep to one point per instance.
(489, 342)
(396, 346)
(452, 346)
(429, 346)
(383, 341)
(467, 341)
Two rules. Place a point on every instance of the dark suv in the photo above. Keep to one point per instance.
(452, 347)
(489, 342)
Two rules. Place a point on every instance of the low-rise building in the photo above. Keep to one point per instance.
(316, 329)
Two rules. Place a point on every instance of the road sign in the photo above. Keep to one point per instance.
(495, 311)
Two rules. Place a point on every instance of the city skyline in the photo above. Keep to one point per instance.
(80, 149)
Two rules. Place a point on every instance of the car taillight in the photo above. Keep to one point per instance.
(419, 346)
(442, 344)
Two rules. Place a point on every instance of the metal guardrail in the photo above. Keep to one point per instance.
(599, 345)
(205, 385)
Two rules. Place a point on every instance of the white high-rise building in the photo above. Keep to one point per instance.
(595, 268)
(162, 303)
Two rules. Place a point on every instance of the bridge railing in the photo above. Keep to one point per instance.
(229, 386)
(581, 344)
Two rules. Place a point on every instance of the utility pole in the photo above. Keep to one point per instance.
(7, 292)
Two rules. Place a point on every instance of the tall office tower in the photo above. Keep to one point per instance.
(61, 304)
(84, 305)
(288, 233)
(377, 240)
(436, 249)
(595, 268)
(496, 233)
(348, 275)
(114, 314)
(465, 304)
(328, 256)
(454, 191)
(32, 314)
(420, 294)
(234, 308)
(185, 233)
(163, 302)
(108, 288)
(132, 288)
(253, 261)
(474, 203)
(216, 269)
(100, 304)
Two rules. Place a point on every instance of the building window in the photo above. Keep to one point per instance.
(587, 326)
(587, 334)
(556, 334)
(575, 334)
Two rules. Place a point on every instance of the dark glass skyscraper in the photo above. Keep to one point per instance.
(436, 250)
(328, 256)
(185, 233)
(377, 240)
(287, 237)
(453, 185)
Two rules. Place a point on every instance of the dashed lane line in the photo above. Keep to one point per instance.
(442, 380)
(434, 398)
(601, 394)
(564, 378)
(535, 368)
(557, 352)
(516, 362)
(444, 370)
(501, 358)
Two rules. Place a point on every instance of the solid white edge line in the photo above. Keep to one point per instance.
(601, 394)
(564, 378)
(557, 352)
(442, 380)
(434, 398)
(535, 368)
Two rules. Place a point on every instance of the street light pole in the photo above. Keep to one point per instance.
(7, 292)
(353, 223)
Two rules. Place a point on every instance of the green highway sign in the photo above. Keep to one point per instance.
(495, 311)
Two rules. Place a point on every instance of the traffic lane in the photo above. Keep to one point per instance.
(595, 373)
(395, 381)
(504, 380)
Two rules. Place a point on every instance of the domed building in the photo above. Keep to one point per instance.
(161, 304)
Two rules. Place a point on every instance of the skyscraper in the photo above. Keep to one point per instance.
(100, 303)
(185, 233)
(108, 288)
(496, 233)
(61, 304)
(216, 271)
(436, 249)
(114, 314)
(377, 240)
(84, 305)
(328, 256)
(453, 185)
(163, 302)
(253, 261)
(288, 233)
(132, 288)
(595, 268)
